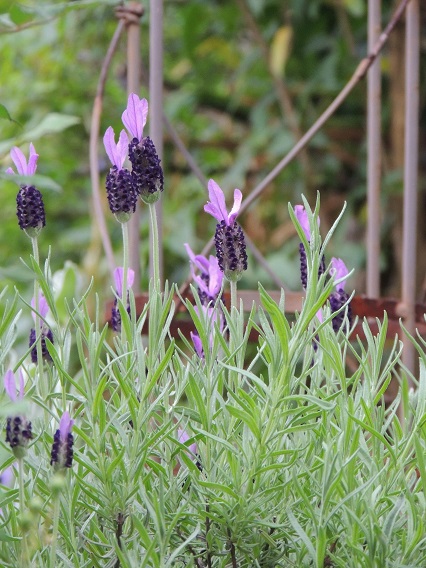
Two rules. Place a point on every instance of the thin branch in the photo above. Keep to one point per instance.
(232, 550)
(262, 261)
(284, 98)
(186, 154)
(93, 148)
(358, 74)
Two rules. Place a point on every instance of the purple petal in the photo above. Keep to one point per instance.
(199, 261)
(10, 171)
(122, 148)
(302, 217)
(339, 271)
(9, 384)
(217, 206)
(65, 425)
(32, 162)
(118, 279)
(200, 283)
(184, 437)
(7, 477)
(21, 384)
(19, 160)
(43, 307)
(215, 276)
(198, 345)
(134, 117)
(319, 315)
(111, 147)
(238, 197)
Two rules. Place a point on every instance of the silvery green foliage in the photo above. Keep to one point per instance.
(290, 456)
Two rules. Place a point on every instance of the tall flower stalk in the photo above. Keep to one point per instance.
(31, 219)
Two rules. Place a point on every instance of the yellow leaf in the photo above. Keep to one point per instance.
(280, 50)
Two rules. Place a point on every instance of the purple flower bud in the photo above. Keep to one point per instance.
(209, 282)
(183, 437)
(229, 237)
(118, 281)
(29, 201)
(339, 297)
(122, 197)
(147, 173)
(18, 428)
(62, 452)
(30, 210)
(230, 250)
(198, 345)
(339, 271)
(44, 330)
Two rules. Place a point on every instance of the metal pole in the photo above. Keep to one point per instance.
(373, 154)
(409, 234)
(133, 86)
(156, 100)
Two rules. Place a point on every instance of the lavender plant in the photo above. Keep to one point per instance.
(211, 454)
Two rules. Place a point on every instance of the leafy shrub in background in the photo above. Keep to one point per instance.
(156, 452)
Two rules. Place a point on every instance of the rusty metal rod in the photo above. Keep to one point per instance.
(409, 234)
(373, 155)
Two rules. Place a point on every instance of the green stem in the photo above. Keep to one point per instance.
(233, 286)
(55, 531)
(38, 322)
(155, 246)
(24, 551)
(125, 232)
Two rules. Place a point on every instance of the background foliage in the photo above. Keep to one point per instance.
(227, 65)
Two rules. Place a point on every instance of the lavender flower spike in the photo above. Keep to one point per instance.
(118, 281)
(209, 281)
(121, 194)
(147, 174)
(339, 297)
(29, 201)
(229, 237)
(44, 331)
(62, 452)
(18, 428)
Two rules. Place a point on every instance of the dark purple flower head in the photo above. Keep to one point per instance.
(18, 428)
(29, 201)
(62, 452)
(121, 193)
(229, 237)
(118, 281)
(147, 173)
(209, 281)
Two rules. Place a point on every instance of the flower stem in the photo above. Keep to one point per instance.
(56, 504)
(233, 287)
(24, 551)
(155, 259)
(38, 322)
(125, 231)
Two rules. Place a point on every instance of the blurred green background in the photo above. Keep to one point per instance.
(243, 80)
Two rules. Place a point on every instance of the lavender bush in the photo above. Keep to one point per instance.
(152, 451)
